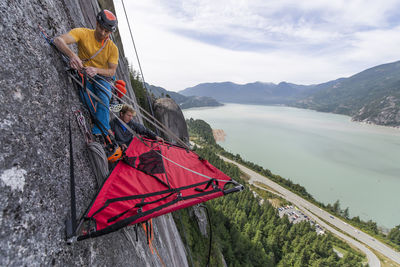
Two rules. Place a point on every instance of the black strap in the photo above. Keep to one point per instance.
(213, 182)
(112, 200)
(139, 206)
(201, 194)
(136, 226)
(120, 215)
(125, 222)
(97, 52)
(72, 179)
(147, 232)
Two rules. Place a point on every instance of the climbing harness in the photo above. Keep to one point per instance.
(113, 151)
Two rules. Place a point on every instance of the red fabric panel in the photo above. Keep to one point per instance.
(127, 181)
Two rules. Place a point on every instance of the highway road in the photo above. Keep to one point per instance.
(313, 211)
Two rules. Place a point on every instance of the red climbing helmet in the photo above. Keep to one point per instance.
(120, 85)
(107, 20)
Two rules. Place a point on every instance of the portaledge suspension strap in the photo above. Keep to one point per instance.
(71, 223)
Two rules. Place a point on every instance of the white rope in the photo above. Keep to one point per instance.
(136, 135)
(134, 46)
(99, 161)
(163, 128)
(138, 60)
(168, 159)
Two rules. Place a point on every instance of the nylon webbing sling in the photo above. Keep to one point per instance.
(98, 52)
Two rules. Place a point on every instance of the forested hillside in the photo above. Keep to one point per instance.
(201, 132)
(249, 232)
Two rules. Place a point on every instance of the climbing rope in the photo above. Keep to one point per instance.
(147, 116)
(138, 60)
(136, 135)
(98, 157)
(99, 161)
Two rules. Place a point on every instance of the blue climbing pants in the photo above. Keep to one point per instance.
(101, 112)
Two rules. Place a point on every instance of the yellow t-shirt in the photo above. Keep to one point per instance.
(88, 46)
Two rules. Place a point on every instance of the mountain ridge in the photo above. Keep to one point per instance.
(183, 101)
(257, 92)
(372, 95)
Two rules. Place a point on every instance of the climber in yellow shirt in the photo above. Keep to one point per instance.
(97, 55)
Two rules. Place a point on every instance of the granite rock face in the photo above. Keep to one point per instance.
(169, 113)
(36, 119)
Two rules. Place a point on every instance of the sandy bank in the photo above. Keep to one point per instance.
(219, 135)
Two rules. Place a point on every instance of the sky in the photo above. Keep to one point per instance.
(182, 43)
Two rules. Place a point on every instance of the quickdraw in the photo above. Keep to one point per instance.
(82, 126)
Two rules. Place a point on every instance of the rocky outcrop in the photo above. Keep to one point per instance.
(385, 111)
(168, 112)
(201, 219)
(36, 119)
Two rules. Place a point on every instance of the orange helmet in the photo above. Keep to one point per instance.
(121, 90)
(121, 82)
(115, 154)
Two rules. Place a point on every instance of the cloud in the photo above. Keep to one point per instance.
(185, 42)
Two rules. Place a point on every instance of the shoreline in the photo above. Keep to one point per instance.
(363, 122)
(357, 207)
(374, 124)
(219, 135)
